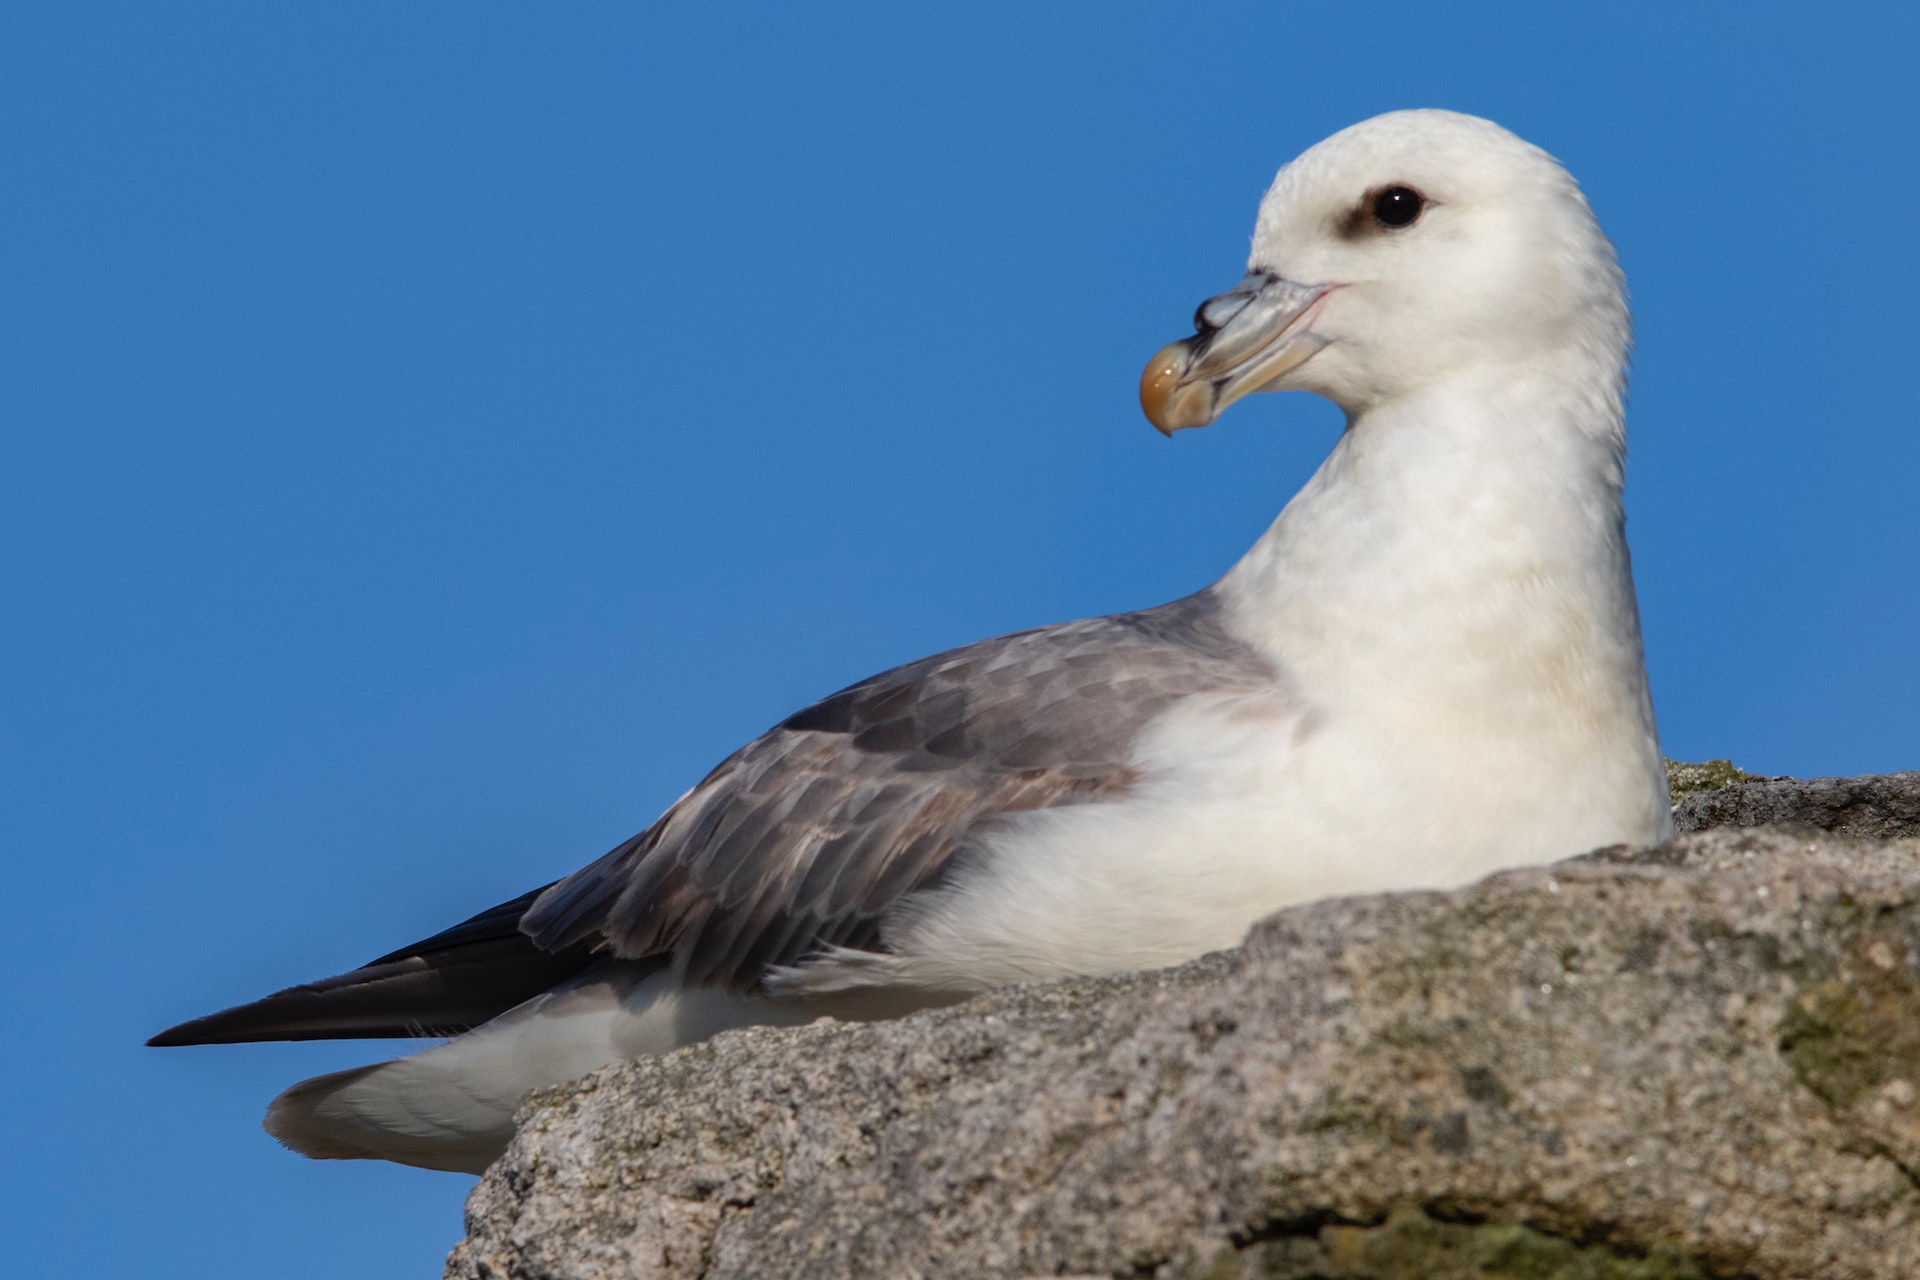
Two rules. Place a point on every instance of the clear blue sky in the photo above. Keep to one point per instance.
(434, 434)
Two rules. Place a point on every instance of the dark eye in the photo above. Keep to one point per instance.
(1397, 206)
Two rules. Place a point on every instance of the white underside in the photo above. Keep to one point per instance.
(451, 1107)
(1250, 808)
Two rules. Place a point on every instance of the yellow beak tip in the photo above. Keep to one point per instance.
(1160, 385)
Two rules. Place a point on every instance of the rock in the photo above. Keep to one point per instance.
(1700, 1060)
(1714, 774)
(1881, 806)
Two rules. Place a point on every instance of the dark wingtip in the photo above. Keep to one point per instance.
(214, 1028)
(407, 998)
(442, 994)
(447, 984)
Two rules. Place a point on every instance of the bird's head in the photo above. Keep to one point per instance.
(1389, 258)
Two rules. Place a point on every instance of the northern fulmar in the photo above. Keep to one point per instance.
(1428, 668)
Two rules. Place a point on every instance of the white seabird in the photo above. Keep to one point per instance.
(1428, 668)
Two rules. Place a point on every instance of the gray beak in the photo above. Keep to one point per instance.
(1244, 340)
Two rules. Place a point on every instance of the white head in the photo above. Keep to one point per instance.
(1392, 257)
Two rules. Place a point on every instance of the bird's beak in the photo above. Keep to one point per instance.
(1244, 341)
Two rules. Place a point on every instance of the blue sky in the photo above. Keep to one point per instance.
(433, 435)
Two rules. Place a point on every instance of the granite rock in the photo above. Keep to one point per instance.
(1879, 806)
(1698, 1060)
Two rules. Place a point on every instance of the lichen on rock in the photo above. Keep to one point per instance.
(1685, 778)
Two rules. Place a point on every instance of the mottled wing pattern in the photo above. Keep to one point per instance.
(803, 838)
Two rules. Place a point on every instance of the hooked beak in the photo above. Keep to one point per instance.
(1244, 341)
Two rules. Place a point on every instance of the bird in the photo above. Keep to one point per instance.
(1428, 668)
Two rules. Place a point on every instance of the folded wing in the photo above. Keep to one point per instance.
(805, 837)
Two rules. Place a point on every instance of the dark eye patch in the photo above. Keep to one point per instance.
(1383, 209)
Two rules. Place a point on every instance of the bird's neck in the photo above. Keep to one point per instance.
(1459, 545)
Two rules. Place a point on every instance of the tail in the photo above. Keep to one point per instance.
(451, 1107)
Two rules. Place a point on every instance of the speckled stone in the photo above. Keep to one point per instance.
(1700, 1060)
(1881, 806)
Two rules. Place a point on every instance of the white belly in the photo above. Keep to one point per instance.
(1247, 806)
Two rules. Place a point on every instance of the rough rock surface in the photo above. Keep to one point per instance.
(1881, 807)
(1699, 1060)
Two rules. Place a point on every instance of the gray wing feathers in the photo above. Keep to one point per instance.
(805, 836)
